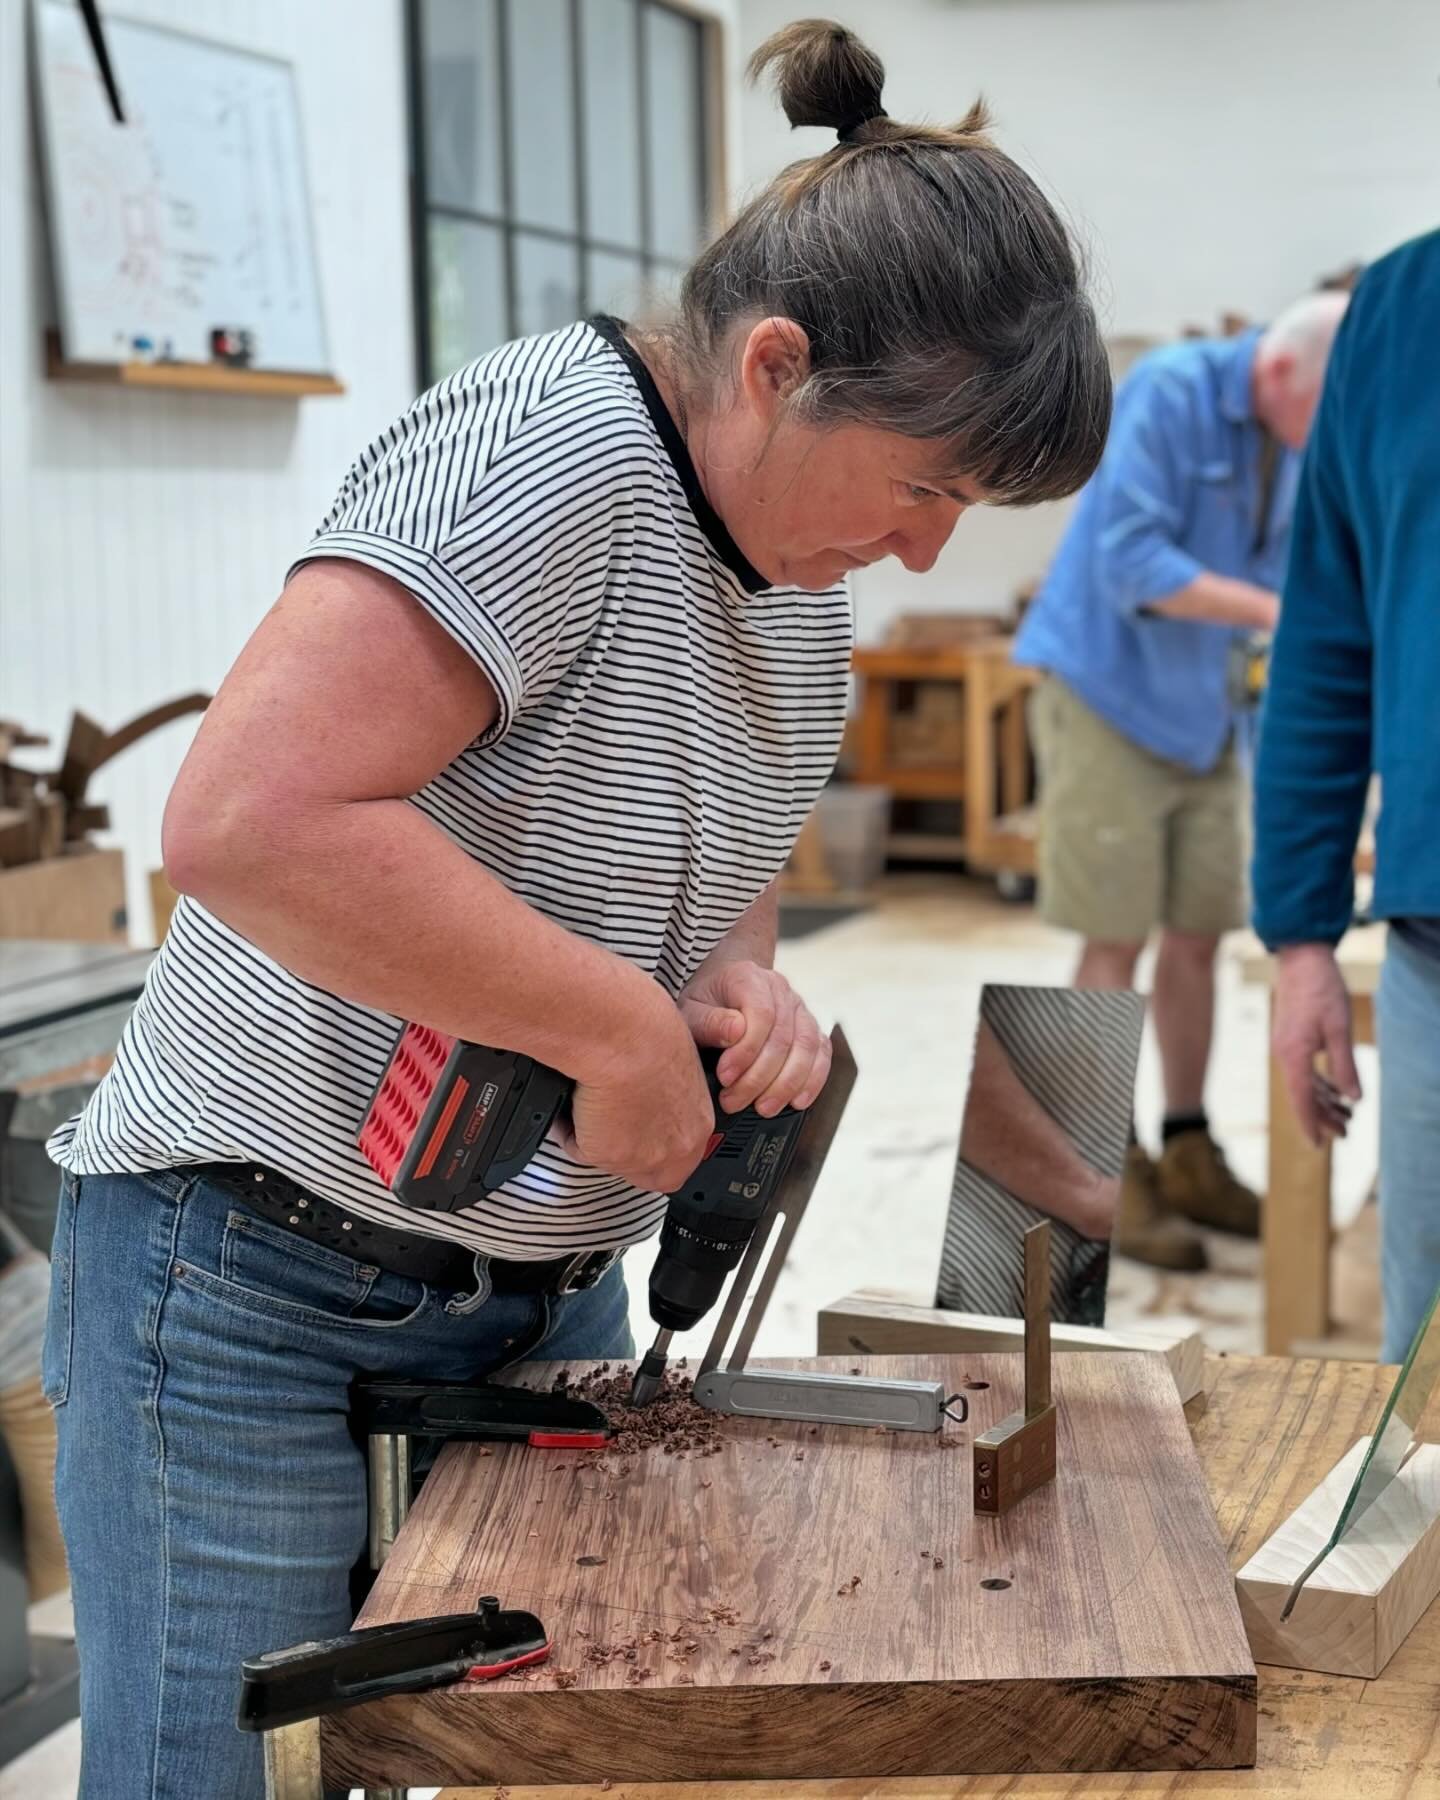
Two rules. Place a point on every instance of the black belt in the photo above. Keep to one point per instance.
(435, 1261)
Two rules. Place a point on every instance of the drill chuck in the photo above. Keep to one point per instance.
(650, 1376)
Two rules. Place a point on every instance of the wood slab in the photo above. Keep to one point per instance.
(1360, 1605)
(1269, 1430)
(880, 1322)
(1108, 1635)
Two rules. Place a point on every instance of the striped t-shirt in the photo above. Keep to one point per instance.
(665, 724)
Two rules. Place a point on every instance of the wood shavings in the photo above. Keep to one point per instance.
(564, 1678)
(849, 1587)
(673, 1423)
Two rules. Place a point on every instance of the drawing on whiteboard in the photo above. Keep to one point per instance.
(191, 217)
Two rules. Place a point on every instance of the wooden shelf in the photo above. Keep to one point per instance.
(197, 378)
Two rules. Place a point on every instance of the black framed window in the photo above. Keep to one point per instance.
(561, 163)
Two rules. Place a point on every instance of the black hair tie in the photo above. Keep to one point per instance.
(846, 132)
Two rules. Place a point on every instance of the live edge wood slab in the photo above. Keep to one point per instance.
(1094, 1627)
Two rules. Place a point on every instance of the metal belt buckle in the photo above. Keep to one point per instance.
(585, 1269)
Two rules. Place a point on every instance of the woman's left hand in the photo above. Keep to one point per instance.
(775, 1054)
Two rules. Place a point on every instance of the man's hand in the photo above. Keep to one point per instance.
(775, 1053)
(1312, 1018)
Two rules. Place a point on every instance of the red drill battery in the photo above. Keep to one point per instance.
(450, 1121)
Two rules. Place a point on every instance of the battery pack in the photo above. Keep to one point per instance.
(450, 1120)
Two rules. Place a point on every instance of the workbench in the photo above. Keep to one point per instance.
(987, 769)
(1296, 1215)
(1266, 1431)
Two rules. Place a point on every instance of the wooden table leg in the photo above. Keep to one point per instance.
(873, 737)
(1296, 1229)
(1014, 755)
(979, 761)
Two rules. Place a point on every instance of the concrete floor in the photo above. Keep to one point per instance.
(904, 977)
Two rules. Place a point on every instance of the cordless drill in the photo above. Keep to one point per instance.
(450, 1121)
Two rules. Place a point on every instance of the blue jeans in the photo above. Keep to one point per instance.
(212, 1497)
(1408, 1030)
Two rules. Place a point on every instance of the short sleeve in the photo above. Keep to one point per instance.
(504, 503)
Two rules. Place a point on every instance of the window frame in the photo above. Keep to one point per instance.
(710, 141)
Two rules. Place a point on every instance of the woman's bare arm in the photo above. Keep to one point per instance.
(289, 821)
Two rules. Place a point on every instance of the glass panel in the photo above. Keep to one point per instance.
(610, 72)
(467, 293)
(674, 117)
(462, 103)
(547, 277)
(614, 284)
(1396, 1435)
(542, 113)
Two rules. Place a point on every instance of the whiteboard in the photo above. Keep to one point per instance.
(192, 215)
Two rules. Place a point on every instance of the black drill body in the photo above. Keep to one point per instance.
(710, 1221)
(451, 1120)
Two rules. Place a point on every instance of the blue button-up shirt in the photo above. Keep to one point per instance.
(1178, 493)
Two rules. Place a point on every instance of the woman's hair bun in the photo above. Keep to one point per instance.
(823, 74)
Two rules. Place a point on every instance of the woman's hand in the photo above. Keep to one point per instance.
(647, 1116)
(775, 1054)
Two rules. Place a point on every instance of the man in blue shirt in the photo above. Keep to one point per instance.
(1353, 691)
(1173, 557)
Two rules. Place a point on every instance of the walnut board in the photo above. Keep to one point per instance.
(1116, 1644)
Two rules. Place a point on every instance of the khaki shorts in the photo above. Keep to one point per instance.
(1129, 841)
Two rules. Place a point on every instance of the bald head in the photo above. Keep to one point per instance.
(1290, 364)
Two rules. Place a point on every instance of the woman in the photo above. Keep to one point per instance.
(519, 753)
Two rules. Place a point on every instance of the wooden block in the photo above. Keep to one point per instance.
(83, 752)
(875, 1322)
(1095, 1627)
(80, 820)
(50, 821)
(1360, 1604)
(17, 835)
(79, 897)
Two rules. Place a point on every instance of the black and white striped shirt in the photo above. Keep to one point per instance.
(666, 722)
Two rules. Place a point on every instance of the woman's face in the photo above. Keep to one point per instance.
(808, 505)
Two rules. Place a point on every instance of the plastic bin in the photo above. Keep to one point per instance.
(854, 825)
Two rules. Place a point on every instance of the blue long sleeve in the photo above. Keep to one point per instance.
(1315, 754)
(1356, 666)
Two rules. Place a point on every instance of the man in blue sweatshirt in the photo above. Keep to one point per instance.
(1355, 690)
(1172, 558)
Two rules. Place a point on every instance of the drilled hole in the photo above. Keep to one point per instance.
(975, 1386)
(994, 1584)
(595, 1562)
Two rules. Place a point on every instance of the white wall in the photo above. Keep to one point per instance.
(143, 534)
(1215, 155)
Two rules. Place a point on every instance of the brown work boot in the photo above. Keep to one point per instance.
(1143, 1228)
(1196, 1181)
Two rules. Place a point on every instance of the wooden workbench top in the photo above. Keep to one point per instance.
(1272, 1428)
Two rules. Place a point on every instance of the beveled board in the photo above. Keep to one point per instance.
(1112, 1640)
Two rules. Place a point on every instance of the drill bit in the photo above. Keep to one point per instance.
(650, 1376)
